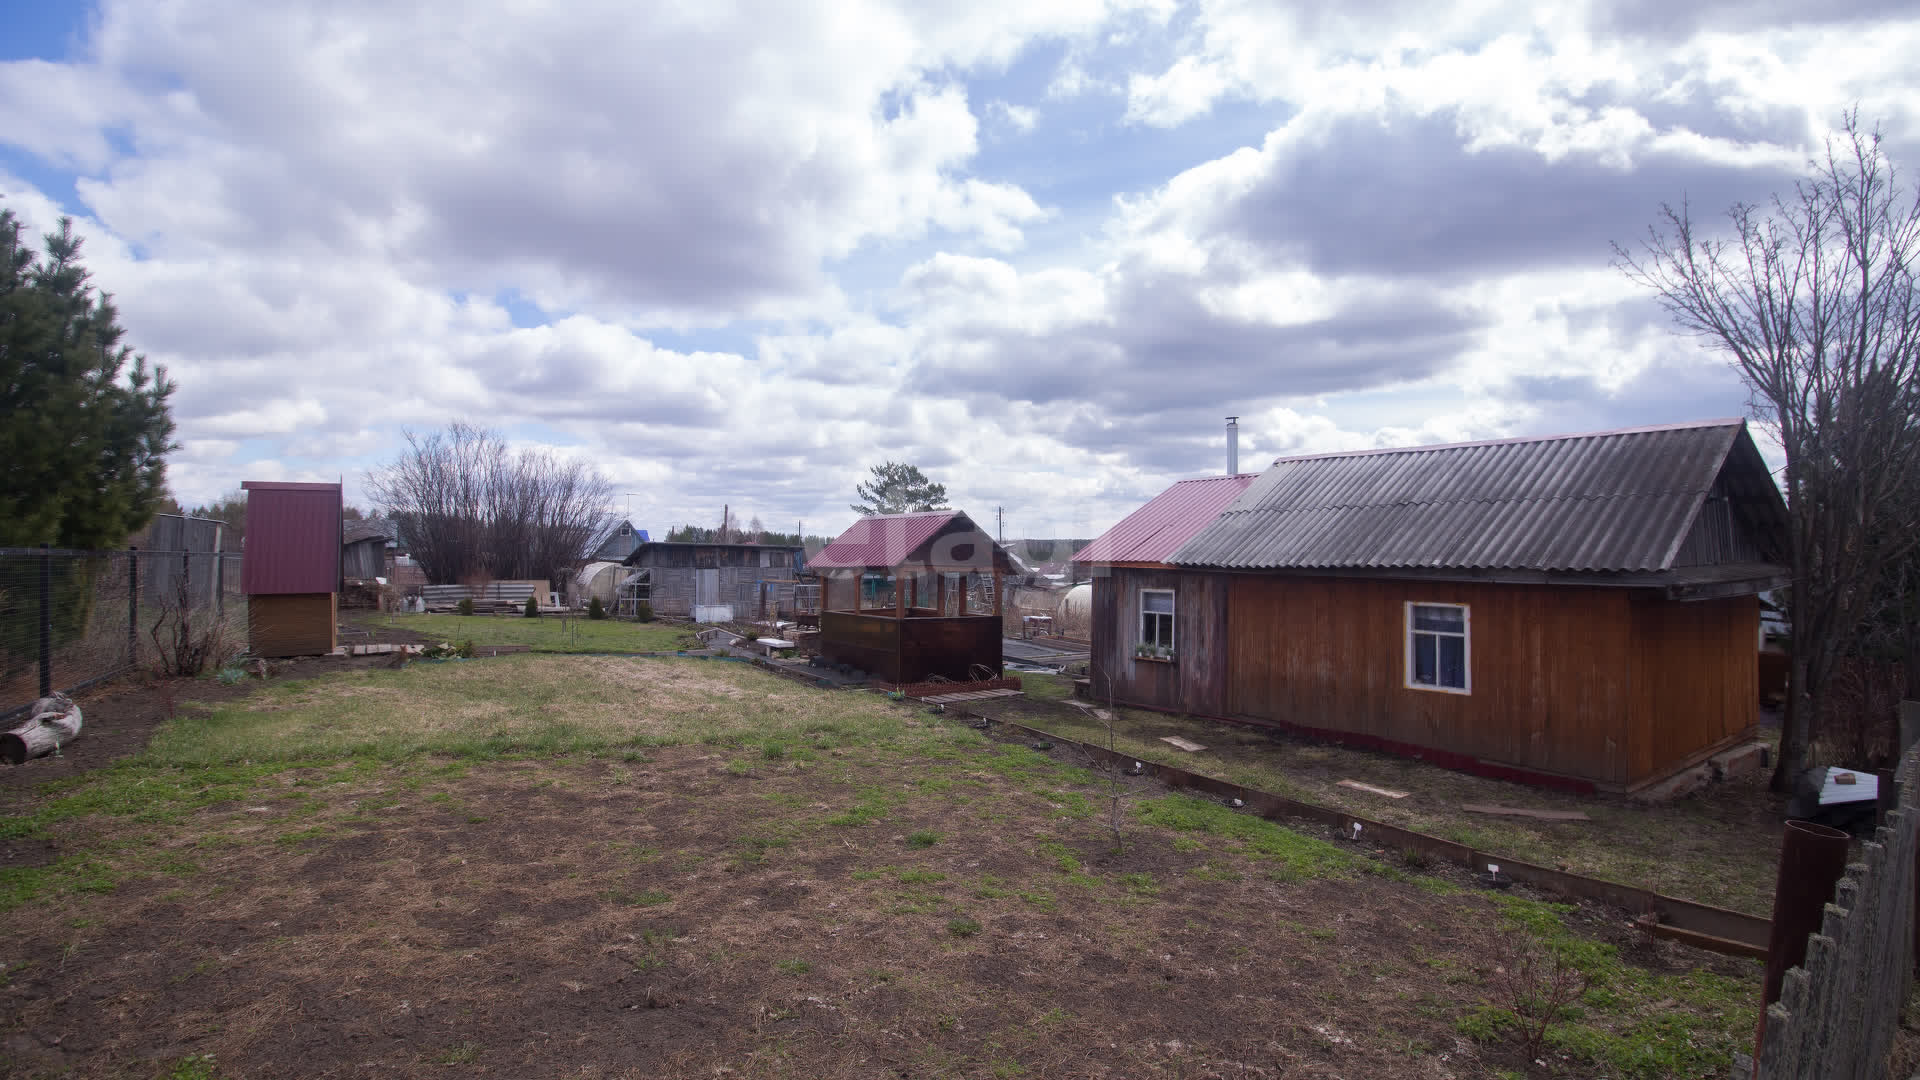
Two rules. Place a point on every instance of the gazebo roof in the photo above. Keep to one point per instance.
(935, 539)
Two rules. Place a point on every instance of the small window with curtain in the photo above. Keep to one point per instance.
(1156, 620)
(1437, 651)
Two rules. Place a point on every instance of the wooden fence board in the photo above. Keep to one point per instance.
(1838, 1012)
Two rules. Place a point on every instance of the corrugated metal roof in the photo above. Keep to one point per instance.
(293, 538)
(879, 540)
(646, 545)
(1606, 501)
(367, 529)
(1155, 531)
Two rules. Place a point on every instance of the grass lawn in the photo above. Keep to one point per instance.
(1720, 847)
(549, 633)
(574, 866)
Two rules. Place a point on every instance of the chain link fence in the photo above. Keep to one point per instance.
(69, 619)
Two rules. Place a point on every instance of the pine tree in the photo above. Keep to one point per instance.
(83, 451)
(899, 489)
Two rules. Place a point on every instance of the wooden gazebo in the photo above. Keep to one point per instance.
(907, 597)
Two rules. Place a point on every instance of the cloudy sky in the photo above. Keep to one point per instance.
(737, 252)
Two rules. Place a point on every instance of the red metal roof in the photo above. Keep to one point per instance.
(1155, 531)
(293, 538)
(884, 540)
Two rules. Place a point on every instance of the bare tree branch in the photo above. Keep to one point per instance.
(1814, 304)
(471, 509)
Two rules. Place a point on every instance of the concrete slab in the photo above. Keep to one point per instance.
(1741, 761)
(1680, 784)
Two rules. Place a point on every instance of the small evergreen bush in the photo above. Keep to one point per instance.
(594, 610)
(532, 610)
(465, 606)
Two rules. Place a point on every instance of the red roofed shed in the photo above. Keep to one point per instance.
(895, 597)
(291, 571)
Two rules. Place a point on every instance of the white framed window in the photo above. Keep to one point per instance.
(1439, 652)
(1156, 618)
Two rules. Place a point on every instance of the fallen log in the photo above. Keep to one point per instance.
(52, 722)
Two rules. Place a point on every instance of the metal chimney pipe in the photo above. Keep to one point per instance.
(1233, 446)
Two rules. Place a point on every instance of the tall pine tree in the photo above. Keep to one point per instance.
(83, 449)
(897, 488)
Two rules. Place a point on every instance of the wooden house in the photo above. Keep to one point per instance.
(711, 581)
(906, 597)
(1580, 611)
(619, 543)
(291, 572)
(363, 549)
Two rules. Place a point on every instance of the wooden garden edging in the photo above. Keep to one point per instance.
(1700, 925)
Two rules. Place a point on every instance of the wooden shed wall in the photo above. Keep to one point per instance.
(1196, 681)
(1696, 677)
(291, 624)
(1550, 667)
(1608, 685)
(674, 588)
(364, 559)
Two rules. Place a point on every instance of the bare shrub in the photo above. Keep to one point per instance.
(189, 639)
(1115, 771)
(1860, 713)
(1535, 983)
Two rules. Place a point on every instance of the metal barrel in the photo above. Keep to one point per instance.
(1812, 860)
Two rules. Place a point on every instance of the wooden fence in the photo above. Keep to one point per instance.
(1837, 1014)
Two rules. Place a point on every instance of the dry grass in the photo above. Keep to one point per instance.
(1719, 847)
(525, 704)
(548, 633)
(707, 869)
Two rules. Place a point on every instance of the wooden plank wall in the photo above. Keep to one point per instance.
(913, 649)
(1551, 669)
(1616, 686)
(673, 589)
(1696, 677)
(1196, 681)
(949, 647)
(291, 624)
(868, 642)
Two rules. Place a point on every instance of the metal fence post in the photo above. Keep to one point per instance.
(46, 621)
(133, 605)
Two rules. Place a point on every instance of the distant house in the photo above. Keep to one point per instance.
(291, 573)
(164, 541)
(712, 582)
(620, 542)
(363, 548)
(1577, 610)
(907, 597)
